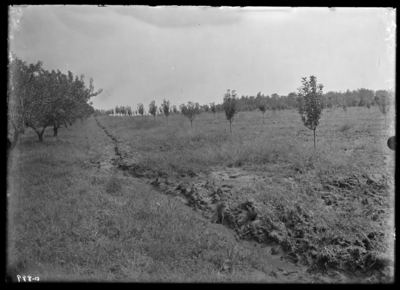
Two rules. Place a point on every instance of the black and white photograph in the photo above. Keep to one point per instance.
(200, 144)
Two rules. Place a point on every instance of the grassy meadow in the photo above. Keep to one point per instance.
(344, 189)
(70, 221)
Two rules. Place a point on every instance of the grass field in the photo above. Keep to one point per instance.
(334, 205)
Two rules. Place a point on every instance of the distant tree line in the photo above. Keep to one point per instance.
(361, 97)
(37, 98)
(165, 109)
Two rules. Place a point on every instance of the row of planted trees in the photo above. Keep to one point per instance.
(190, 110)
(38, 98)
(310, 103)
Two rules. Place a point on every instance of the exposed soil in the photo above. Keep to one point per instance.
(212, 197)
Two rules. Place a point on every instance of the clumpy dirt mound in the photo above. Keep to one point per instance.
(203, 196)
(293, 230)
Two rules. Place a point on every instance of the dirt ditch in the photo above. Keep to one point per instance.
(214, 196)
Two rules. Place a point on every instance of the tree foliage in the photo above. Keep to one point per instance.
(153, 109)
(38, 98)
(230, 107)
(140, 109)
(166, 108)
(384, 105)
(190, 111)
(263, 107)
(213, 108)
(310, 103)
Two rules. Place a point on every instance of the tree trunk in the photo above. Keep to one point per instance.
(40, 134)
(230, 127)
(55, 129)
(191, 124)
(263, 118)
(314, 138)
(15, 140)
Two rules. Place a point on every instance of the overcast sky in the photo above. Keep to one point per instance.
(137, 54)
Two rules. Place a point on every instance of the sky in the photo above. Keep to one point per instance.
(137, 54)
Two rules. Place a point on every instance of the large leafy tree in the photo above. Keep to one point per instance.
(38, 98)
(310, 103)
(72, 99)
(20, 98)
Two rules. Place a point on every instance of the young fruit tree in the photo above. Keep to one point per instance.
(153, 109)
(263, 107)
(368, 106)
(166, 108)
(190, 111)
(384, 105)
(230, 107)
(213, 108)
(140, 109)
(310, 103)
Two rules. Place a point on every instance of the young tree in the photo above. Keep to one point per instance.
(190, 111)
(384, 105)
(140, 109)
(230, 107)
(345, 110)
(368, 106)
(166, 108)
(153, 109)
(213, 108)
(310, 102)
(263, 107)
